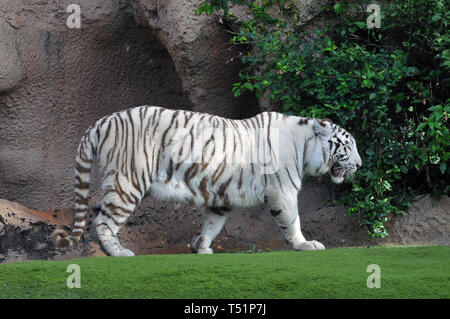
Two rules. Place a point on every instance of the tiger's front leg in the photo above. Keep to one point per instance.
(284, 210)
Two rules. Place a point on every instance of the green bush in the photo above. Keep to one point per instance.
(387, 86)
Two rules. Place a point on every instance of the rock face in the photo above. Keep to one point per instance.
(199, 47)
(11, 67)
(72, 78)
(169, 227)
(24, 233)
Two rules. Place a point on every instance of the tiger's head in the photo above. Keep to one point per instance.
(339, 150)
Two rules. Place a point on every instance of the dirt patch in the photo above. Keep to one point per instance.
(164, 228)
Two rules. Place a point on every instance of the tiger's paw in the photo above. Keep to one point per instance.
(310, 245)
(126, 253)
(121, 253)
(205, 251)
(197, 243)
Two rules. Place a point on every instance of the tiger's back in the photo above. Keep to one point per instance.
(200, 159)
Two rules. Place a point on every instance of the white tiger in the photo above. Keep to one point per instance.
(205, 160)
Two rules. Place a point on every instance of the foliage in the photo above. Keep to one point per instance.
(388, 86)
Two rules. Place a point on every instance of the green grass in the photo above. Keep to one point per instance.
(406, 272)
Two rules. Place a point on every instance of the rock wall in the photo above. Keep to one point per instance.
(71, 78)
(11, 66)
(199, 46)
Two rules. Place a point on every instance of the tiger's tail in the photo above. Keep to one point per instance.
(85, 155)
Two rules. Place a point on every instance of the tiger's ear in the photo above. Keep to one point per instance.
(323, 129)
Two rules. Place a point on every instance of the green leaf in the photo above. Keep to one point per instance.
(443, 167)
(436, 17)
(421, 126)
(337, 8)
(248, 86)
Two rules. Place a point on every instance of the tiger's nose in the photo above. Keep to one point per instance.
(358, 162)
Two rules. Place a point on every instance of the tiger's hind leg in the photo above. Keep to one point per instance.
(116, 207)
(212, 225)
